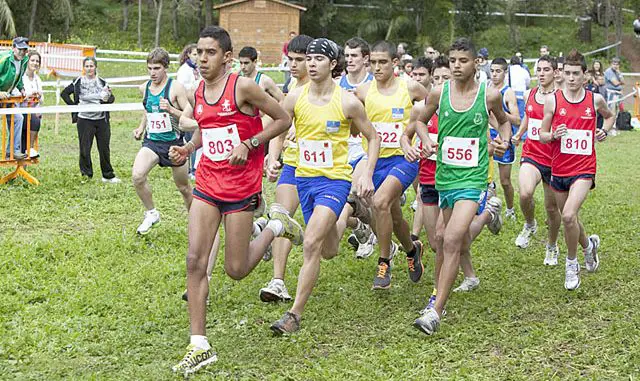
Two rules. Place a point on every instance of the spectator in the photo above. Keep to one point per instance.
(430, 52)
(614, 81)
(90, 89)
(284, 62)
(636, 26)
(596, 68)
(544, 50)
(407, 68)
(519, 80)
(188, 74)
(484, 64)
(524, 65)
(13, 64)
(35, 96)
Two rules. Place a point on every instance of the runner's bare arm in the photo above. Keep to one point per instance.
(249, 93)
(417, 92)
(609, 118)
(186, 122)
(355, 111)
(512, 104)
(273, 89)
(179, 154)
(179, 98)
(276, 144)
(432, 103)
(494, 102)
(524, 124)
(411, 153)
(546, 135)
(361, 91)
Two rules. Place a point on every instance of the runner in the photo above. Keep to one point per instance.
(286, 193)
(535, 164)
(559, 74)
(228, 180)
(163, 99)
(462, 160)
(388, 101)
(569, 124)
(510, 106)
(323, 113)
(248, 58)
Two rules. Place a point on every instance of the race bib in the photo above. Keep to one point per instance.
(577, 142)
(158, 122)
(315, 153)
(217, 143)
(389, 134)
(533, 130)
(460, 152)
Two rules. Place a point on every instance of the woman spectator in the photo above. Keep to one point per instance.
(89, 89)
(189, 76)
(35, 96)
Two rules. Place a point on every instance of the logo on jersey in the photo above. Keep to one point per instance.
(397, 113)
(226, 108)
(588, 113)
(477, 119)
(199, 109)
(333, 126)
(446, 113)
(563, 111)
(530, 108)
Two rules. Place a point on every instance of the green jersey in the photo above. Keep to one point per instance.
(161, 126)
(463, 161)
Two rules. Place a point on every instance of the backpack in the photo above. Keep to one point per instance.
(623, 121)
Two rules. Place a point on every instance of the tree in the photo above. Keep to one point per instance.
(125, 14)
(174, 18)
(208, 12)
(32, 20)
(139, 24)
(158, 22)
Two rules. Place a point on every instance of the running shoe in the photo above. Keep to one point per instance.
(431, 304)
(551, 255)
(274, 292)
(510, 214)
(362, 232)
(288, 323)
(292, 229)
(360, 210)
(414, 205)
(524, 238)
(268, 254)
(416, 267)
(494, 207)
(195, 359)
(113, 180)
(382, 281)
(393, 250)
(572, 276)
(591, 259)
(468, 284)
(261, 223)
(353, 241)
(151, 217)
(428, 322)
(366, 249)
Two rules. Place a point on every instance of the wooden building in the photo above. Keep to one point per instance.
(263, 24)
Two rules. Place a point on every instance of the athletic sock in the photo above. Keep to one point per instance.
(414, 237)
(154, 211)
(573, 261)
(412, 253)
(589, 248)
(434, 292)
(550, 246)
(384, 260)
(200, 342)
(276, 227)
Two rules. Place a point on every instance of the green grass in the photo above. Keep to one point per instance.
(83, 297)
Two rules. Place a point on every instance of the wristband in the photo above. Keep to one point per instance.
(246, 145)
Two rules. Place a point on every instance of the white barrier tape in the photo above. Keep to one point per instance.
(130, 53)
(108, 80)
(77, 108)
(99, 59)
(634, 92)
(584, 54)
(631, 74)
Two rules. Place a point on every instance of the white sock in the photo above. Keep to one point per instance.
(573, 261)
(550, 246)
(276, 227)
(200, 342)
(154, 211)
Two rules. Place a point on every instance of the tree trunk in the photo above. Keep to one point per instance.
(32, 20)
(607, 17)
(158, 22)
(139, 24)
(125, 14)
(510, 18)
(618, 24)
(174, 19)
(201, 23)
(584, 28)
(208, 12)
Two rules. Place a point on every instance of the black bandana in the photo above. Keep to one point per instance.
(325, 47)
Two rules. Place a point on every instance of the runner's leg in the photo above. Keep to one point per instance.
(145, 160)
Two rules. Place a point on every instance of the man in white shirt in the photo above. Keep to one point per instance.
(518, 79)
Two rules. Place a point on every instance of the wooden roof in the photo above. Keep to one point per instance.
(234, 2)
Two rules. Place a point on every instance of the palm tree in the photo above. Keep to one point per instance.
(7, 21)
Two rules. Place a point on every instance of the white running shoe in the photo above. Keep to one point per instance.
(113, 180)
(151, 217)
(551, 256)
(261, 223)
(274, 292)
(494, 206)
(366, 249)
(393, 250)
(510, 214)
(572, 276)
(428, 322)
(524, 238)
(468, 284)
(33, 153)
(414, 205)
(591, 260)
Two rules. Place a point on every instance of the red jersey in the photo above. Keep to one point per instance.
(428, 166)
(533, 148)
(224, 127)
(574, 154)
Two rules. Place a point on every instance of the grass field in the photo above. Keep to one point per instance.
(83, 297)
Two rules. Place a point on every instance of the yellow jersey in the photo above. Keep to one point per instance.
(389, 115)
(290, 152)
(322, 133)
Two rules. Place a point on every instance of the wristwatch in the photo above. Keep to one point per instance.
(254, 142)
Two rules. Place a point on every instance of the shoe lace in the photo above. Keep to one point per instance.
(382, 270)
(186, 360)
(411, 263)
